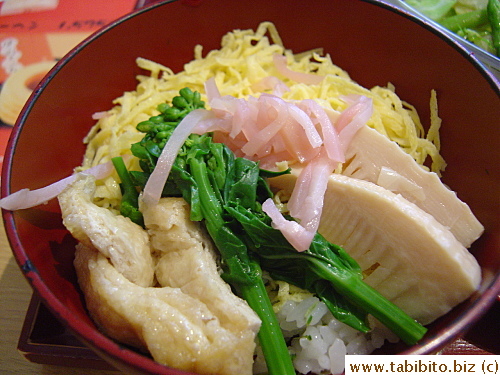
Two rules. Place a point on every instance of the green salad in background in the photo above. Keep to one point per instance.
(477, 21)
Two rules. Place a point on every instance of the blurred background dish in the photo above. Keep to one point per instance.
(486, 55)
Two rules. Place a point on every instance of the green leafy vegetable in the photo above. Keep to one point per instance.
(202, 173)
(481, 39)
(327, 270)
(472, 20)
(493, 10)
(434, 9)
(208, 175)
(129, 206)
(159, 128)
(227, 193)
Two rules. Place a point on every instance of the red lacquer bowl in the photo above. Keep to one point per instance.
(373, 41)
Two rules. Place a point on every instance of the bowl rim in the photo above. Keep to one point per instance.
(111, 350)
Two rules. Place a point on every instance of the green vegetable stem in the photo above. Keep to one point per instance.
(493, 10)
(202, 173)
(330, 272)
(467, 20)
(241, 270)
(129, 206)
(226, 193)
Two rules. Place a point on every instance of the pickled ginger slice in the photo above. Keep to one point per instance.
(405, 253)
(371, 151)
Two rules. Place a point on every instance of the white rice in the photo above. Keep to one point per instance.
(318, 342)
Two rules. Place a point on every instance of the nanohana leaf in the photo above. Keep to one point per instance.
(226, 193)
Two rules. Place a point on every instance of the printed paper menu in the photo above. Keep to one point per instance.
(34, 35)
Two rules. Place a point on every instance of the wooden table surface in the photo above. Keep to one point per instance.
(15, 296)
